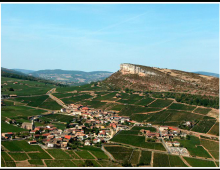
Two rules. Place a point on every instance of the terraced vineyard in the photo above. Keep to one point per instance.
(133, 149)
(143, 158)
(199, 163)
(141, 108)
(131, 138)
(20, 152)
(204, 126)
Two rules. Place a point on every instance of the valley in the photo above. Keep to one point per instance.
(95, 125)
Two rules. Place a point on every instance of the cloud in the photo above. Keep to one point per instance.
(116, 24)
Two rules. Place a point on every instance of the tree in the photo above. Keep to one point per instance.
(37, 132)
(126, 163)
(127, 90)
(11, 89)
(188, 137)
(88, 163)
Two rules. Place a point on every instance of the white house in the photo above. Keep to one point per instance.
(87, 143)
(50, 145)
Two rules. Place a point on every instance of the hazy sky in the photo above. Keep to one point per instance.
(93, 37)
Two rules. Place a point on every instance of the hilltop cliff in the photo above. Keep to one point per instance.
(146, 78)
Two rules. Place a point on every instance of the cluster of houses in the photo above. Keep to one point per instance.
(98, 126)
(167, 133)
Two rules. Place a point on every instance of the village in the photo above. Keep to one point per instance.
(91, 127)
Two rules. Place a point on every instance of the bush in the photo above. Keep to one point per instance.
(88, 163)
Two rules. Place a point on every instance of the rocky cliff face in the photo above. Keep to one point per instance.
(134, 69)
(144, 78)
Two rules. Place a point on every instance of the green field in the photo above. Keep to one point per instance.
(62, 95)
(118, 107)
(193, 147)
(20, 146)
(135, 157)
(119, 153)
(164, 160)
(161, 160)
(10, 164)
(172, 116)
(59, 163)
(79, 163)
(215, 129)
(10, 128)
(58, 117)
(5, 156)
(138, 141)
(34, 101)
(212, 146)
(50, 104)
(85, 155)
(6, 160)
(41, 155)
(19, 111)
(133, 98)
(136, 130)
(161, 103)
(8, 103)
(94, 104)
(129, 110)
(97, 152)
(144, 101)
(2, 162)
(19, 156)
(109, 96)
(109, 164)
(36, 162)
(60, 125)
(140, 117)
(202, 110)
(72, 154)
(117, 148)
(27, 88)
(178, 106)
(175, 161)
(145, 158)
(58, 154)
(76, 98)
(203, 126)
(199, 163)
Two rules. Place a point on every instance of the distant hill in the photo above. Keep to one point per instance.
(5, 70)
(71, 77)
(15, 74)
(144, 78)
(207, 73)
(24, 71)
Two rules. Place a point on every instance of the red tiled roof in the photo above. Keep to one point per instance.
(37, 135)
(46, 134)
(172, 128)
(10, 133)
(67, 136)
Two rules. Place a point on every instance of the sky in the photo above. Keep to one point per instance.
(99, 37)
